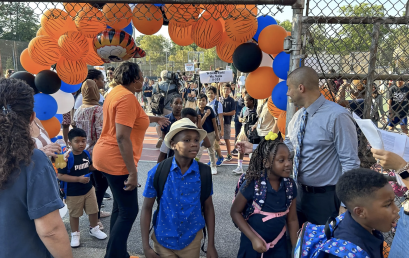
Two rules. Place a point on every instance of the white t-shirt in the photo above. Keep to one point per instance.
(78, 102)
(242, 80)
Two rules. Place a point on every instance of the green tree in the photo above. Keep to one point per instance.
(9, 63)
(18, 21)
(287, 25)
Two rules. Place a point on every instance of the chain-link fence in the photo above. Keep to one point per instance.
(360, 48)
(361, 51)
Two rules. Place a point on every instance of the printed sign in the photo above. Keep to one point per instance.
(216, 76)
(189, 67)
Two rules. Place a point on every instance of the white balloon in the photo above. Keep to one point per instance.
(266, 61)
(64, 100)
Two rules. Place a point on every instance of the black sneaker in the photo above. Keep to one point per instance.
(235, 152)
(229, 158)
(107, 196)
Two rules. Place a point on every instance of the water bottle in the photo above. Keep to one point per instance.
(60, 161)
(61, 142)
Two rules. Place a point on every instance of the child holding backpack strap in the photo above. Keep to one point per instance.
(183, 189)
(265, 202)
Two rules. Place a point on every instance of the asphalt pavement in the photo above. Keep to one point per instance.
(227, 235)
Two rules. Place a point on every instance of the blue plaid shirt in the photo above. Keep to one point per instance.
(180, 213)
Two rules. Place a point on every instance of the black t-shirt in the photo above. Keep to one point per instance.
(208, 124)
(239, 107)
(148, 94)
(228, 106)
(399, 97)
(80, 168)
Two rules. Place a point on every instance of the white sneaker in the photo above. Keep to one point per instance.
(96, 232)
(75, 239)
(238, 171)
(214, 170)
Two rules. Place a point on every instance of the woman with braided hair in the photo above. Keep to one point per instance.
(29, 194)
(266, 202)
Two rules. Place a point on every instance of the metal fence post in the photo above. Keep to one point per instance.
(296, 32)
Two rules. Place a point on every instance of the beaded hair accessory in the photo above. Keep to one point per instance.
(271, 136)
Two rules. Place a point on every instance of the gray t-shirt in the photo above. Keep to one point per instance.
(31, 193)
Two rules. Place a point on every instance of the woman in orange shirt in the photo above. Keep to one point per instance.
(118, 151)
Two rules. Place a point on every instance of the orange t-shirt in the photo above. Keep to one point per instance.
(120, 107)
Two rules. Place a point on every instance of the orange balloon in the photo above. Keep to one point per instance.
(218, 10)
(73, 8)
(41, 32)
(327, 94)
(225, 49)
(181, 36)
(74, 46)
(207, 33)
(281, 122)
(90, 21)
(92, 57)
(288, 33)
(271, 39)
(56, 22)
(251, 7)
(72, 72)
(183, 13)
(261, 82)
(52, 126)
(147, 18)
(242, 26)
(117, 16)
(29, 65)
(274, 111)
(44, 50)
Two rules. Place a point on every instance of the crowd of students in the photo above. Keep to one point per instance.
(266, 204)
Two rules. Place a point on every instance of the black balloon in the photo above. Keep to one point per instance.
(26, 77)
(48, 82)
(247, 57)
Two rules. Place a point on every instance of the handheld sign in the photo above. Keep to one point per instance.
(189, 67)
(216, 76)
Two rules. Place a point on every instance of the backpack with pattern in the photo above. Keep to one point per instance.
(317, 241)
(260, 193)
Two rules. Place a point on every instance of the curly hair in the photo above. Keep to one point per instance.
(259, 159)
(16, 144)
(127, 73)
(359, 183)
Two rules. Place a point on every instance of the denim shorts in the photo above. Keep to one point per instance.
(399, 248)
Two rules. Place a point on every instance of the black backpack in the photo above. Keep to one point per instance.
(161, 176)
(158, 103)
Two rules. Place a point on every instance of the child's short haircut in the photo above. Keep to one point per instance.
(212, 88)
(250, 97)
(227, 85)
(175, 97)
(359, 183)
(188, 112)
(201, 96)
(76, 132)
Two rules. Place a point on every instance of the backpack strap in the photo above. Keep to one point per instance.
(205, 191)
(289, 190)
(216, 109)
(341, 248)
(70, 165)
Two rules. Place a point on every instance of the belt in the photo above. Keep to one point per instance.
(318, 189)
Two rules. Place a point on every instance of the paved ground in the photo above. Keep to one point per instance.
(227, 236)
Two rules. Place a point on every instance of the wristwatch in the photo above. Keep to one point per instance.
(403, 172)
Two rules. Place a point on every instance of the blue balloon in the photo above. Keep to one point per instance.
(281, 65)
(128, 29)
(158, 5)
(263, 21)
(45, 106)
(69, 88)
(54, 139)
(279, 95)
(59, 117)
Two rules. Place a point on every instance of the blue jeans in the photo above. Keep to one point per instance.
(399, 247)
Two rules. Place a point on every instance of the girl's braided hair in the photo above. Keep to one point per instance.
(16, 144)
(259, 159)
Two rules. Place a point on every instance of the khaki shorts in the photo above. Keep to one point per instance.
(77, 204)
(190, 251)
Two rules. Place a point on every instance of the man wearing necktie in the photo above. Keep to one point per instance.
(322, 135)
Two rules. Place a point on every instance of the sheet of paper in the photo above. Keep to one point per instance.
(371, 133)
(406, 151)
(394, 142)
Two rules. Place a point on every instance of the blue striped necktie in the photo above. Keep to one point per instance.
(300, 137)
